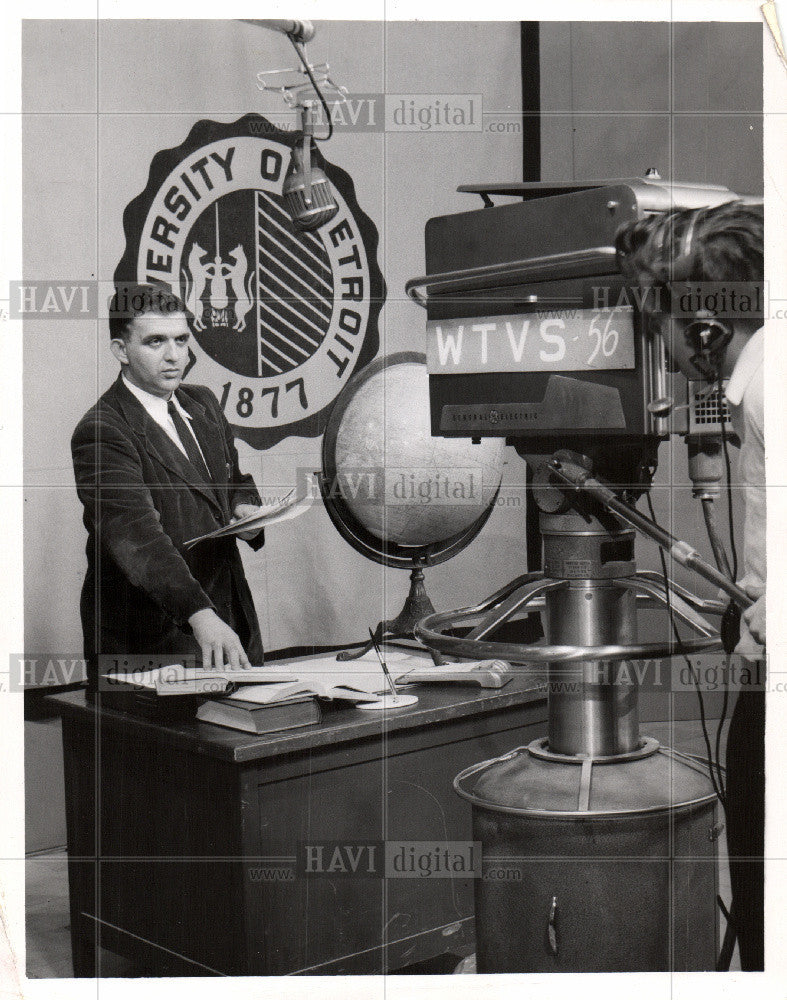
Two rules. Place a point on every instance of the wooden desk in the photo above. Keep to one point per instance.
(182, 839)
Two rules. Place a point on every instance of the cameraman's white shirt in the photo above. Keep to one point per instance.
(745, 398)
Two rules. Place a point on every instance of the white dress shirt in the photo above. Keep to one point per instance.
(157, 408)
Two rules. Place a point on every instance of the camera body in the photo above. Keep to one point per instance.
(533, 333)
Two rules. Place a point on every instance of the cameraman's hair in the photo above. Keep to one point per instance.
(132, 300)
(724, 243)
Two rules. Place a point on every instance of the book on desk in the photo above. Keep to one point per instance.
(253, 717)
(269, 708)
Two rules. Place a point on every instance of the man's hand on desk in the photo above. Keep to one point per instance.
(244, 510)
(218, 642)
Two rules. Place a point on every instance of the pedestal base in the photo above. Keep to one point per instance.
(619, 878)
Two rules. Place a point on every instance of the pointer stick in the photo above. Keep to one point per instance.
(392, 700)
(388, 677)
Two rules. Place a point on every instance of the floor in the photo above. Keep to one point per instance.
(48, 938)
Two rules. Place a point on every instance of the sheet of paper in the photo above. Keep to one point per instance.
(263, 518)
(177, 673)
(363, 674)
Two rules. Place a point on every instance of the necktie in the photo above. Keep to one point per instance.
(189, 442)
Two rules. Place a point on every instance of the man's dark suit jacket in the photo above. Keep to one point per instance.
(142, 501)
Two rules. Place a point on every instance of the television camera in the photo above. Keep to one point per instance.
(534, 335)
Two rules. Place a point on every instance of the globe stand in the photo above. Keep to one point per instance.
(416, 606)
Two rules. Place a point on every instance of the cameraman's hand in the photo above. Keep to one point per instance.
(219, 644)
(754, 617)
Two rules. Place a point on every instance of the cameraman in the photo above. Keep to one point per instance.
(666, 253)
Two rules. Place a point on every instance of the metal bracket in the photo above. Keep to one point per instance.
(435, 631)
(296, 87)
(595, 260)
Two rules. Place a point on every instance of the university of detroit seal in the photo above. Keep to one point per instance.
(280, 319)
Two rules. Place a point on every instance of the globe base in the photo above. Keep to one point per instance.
(417, 606)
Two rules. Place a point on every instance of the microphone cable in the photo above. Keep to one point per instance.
(728, 473)
(301, 52)
(714, 768)
(731, 620)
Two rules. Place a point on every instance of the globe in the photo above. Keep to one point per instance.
(401, 483)
(397, 494)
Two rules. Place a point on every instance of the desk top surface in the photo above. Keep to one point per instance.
(341, 723)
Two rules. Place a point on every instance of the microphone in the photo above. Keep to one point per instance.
(705, 469)
(706, 466)
(306, 189)
(299, 31)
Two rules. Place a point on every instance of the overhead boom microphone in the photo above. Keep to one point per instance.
(299, 31)
(307, 191)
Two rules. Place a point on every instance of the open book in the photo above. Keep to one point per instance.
(177, 679)
(268, 694)
(284, 510)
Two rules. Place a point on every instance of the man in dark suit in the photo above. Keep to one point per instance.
(156, 465)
